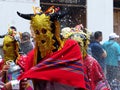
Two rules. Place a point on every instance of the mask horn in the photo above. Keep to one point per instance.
(25, 16)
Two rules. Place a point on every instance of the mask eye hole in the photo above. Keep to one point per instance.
(37, 32)
(43, 41)
(44, 31)
(7, 45)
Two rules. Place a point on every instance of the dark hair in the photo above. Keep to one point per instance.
(97, 34)
(12, 27)
(92, 38)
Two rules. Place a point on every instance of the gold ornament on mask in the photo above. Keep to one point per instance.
(82, 40)
(11, 32)
(81, 37)
(36, 10)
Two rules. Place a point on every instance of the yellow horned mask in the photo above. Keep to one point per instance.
(10, 48)
(46, 29)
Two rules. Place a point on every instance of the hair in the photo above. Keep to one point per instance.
(13, 27)
(97, 34)
(92, 38)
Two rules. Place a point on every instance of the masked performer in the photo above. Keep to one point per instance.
(13, 62)
(93, 70)
(55, 64)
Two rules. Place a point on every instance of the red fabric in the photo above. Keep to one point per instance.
(1, 64)
(21, 61)
(29, 60)
(59, 66)
(94, 72)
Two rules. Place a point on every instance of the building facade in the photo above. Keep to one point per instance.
(96, 15)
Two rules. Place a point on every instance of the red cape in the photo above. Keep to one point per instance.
(64, 66)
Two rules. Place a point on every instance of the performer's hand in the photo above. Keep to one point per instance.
(5, 68)
(23, 84)
(8, 86)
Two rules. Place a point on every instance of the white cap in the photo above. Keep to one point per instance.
(113, 35)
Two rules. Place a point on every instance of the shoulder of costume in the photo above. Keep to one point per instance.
(71, 41)
(31, 52)
(89, 57)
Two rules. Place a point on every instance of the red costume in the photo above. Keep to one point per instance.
(95, 74)
(64, 66)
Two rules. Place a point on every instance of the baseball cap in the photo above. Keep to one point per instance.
(113, 35)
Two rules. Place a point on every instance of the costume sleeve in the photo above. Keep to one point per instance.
(2, 85)
(1, 78)
(21, 61)
(99, 78)
(98, 74)
(15, 84)
(26, 61)
(29, 60)
(1, 64)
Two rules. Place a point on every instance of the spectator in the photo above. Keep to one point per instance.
(26, 44)
(96, 48)
(12, 27)
(113, 52)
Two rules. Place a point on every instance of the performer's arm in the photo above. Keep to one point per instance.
(4, 69)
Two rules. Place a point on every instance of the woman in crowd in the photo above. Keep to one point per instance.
(26, 44)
